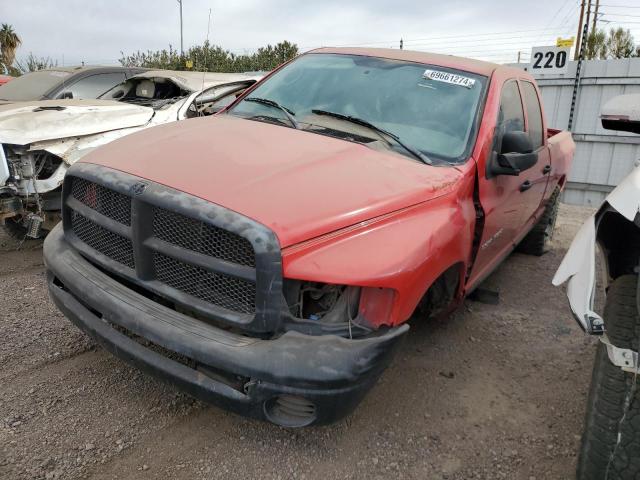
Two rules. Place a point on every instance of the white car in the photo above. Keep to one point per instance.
(40, 140)
(611, 440)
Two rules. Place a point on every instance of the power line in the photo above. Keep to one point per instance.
(569, 13)
(619, 6)
(435, 37)
(484, 41)
(620, 15)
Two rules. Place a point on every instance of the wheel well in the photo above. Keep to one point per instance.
(443, 292)
(619, 240)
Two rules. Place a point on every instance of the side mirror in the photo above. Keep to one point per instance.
(516, 155)
(66, 94)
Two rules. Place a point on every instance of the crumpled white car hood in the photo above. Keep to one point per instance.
(579, 266)
(27, 122)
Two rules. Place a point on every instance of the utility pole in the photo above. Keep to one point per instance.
(519, 56)
(181, 44)
(595, 16)
(580, 48)
(579, 35)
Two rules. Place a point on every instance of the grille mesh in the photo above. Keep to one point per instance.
(199, 237)
(218, 289)
(107, 202)
(104, 241)
(230, 293)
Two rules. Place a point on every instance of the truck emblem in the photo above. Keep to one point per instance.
(138, 188)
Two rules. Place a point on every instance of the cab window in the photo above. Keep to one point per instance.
(534, 114)
(511, 115)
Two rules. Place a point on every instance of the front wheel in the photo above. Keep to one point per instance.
(611, 439)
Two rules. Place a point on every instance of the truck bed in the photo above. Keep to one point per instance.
(562, 148)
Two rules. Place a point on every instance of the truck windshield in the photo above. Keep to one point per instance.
(431, 108)
(32, 86)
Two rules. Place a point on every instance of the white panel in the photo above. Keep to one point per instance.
(602, 163)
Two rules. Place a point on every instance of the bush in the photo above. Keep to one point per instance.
(213, 58)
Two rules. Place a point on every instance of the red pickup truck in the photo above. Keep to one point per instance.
(267, 259)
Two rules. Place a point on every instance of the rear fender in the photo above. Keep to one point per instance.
(616, 230)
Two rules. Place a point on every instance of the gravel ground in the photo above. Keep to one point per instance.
(493, 392)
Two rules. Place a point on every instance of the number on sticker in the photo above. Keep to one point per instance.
(549, 60)
(538, 56)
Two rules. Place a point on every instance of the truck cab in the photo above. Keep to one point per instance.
(272, 254)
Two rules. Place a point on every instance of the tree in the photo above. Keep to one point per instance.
(33, 63)
(596, 45)
(9, 43)
(212, 58)
(620, 43)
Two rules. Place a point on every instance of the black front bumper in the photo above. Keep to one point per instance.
(333, 373)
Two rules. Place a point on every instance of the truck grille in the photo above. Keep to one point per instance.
(231, 293)
(108, 243)
(199, 237)
(104, 201)
(159, 258)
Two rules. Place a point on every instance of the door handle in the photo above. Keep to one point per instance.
(526, 186)
(546, 169)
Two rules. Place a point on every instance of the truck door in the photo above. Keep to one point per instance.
(534, 179)
(506, 200)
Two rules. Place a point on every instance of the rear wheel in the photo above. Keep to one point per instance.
(538, 240)
(611, 439)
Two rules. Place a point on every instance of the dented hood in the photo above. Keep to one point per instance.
(300, 184)
(22, 123)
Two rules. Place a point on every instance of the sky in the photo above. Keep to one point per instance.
(97, 31)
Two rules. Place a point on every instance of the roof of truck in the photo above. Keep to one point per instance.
(460, 63)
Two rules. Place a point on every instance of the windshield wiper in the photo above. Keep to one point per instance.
(272, 103)
(358, 121)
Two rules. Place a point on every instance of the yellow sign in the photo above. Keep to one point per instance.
(565, 42)
(188, 63)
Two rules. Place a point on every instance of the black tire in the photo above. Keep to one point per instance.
(611, 388)
(538, 239)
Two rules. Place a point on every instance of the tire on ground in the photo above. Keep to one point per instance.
(538, 239)
(610, 388)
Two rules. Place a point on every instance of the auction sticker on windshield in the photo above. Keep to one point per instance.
(447, 77)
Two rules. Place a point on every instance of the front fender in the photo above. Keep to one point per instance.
(405, 251)
(579, 265)
(579, 268)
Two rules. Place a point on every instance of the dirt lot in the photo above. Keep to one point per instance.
(493, 392)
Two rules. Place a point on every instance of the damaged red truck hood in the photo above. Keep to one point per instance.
(299, 184)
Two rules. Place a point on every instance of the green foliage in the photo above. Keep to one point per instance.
(33, 63)
(596, 45)
(617, 43)
(9, 43)
(620, 43)
(212, 58)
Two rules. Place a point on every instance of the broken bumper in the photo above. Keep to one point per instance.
(292, 380)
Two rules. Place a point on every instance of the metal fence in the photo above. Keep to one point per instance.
(603, 157)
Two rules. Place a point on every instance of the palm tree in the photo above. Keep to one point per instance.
(9, 43)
